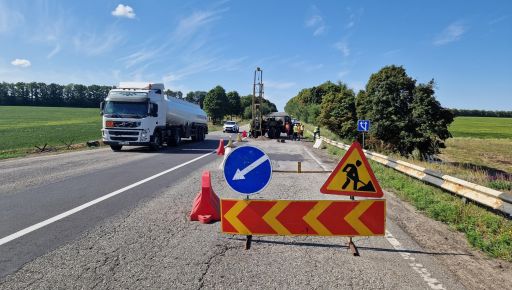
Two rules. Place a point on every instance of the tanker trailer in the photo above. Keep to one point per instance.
(139, 114)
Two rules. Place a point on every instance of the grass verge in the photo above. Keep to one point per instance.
(485, 230)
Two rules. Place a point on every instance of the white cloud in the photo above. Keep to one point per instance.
(343, 47)
(188, 26)
(279, 85)
(497, 20)
(317, 23)
(55, 50)
(94, 44)
(451, 33)
(343, 73)
(124, 11)
(9, 18)
(21, 62)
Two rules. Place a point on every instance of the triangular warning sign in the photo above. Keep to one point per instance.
(353, 176)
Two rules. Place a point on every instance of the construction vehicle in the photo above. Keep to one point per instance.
(272, 124)
(139, 114)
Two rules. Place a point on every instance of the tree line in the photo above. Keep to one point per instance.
(405, 116)
(481, 113)
(52, 95)
(216, 102)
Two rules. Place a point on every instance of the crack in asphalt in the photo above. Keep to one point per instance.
(222, 252)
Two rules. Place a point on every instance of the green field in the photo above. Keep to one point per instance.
(482, 127)
(23, 128)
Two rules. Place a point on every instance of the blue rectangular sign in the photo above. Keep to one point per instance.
(363, 125)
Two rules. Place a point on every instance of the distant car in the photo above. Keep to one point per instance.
(230, 126)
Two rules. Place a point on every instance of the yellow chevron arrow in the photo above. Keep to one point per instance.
(271, 217)
(232, 216)
(352, 217)
(312, 217)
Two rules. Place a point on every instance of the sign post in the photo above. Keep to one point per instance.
(247, 170)
(353, 176)
(363, 126)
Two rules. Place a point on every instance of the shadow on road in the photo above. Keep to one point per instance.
(324, 245)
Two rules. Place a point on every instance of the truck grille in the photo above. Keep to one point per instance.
(124, 138)
(121, 133)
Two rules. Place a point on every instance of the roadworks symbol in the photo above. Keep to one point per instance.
(353, 176)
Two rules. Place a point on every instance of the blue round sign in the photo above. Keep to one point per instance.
(247, 170)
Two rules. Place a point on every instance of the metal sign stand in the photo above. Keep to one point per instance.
(363, 139)
(248, 238)
(351, 244)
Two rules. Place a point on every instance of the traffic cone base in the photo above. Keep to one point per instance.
(230, 143)
(220, 149)
(206, 205)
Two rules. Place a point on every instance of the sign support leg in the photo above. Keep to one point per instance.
(351, 244)
(363, 140)
(248, 237)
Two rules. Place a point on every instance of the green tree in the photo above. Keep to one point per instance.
(173, 94)
(338, 112)
(196, 97)
(235, 105)
(405, 116)
(389, 95)
(215, 104)
(431, 121)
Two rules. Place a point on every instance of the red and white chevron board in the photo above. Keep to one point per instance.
(304, 217)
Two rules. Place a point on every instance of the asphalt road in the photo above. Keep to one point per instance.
(35, 189)
(142, 238)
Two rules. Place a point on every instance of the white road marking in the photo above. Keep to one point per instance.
(51, 220)
(433, 283)
(317, 161)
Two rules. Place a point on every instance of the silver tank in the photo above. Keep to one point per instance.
(180, 112)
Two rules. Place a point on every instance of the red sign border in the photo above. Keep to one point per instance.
(357, 147)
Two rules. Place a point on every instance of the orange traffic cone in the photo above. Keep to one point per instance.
(244, 134)
(220, 150)
(206, 205)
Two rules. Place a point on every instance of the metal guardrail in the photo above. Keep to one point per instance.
(497, 200)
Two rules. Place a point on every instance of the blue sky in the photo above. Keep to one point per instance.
(466, 46)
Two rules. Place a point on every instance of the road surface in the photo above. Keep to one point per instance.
(141, 237)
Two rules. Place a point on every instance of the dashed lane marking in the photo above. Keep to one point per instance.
(433, 283)
(317, 161)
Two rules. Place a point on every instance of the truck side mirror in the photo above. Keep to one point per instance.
(102, 107)
(153, 110)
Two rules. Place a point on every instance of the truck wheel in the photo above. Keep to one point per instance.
(176, 138)
(116, 148)
(197, 136)
(203, 134)
(157, 141)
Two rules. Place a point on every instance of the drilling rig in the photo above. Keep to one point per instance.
(257, 99)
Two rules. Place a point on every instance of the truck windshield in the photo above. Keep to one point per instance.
(126, 109)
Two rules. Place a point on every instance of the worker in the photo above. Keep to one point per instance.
(287, 129)
(302, 130)
(316, 132)
(296, 129)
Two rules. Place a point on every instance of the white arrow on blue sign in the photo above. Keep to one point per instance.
(363, 125)
(247, 170)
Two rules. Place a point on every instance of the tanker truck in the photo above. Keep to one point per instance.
(139, 114)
